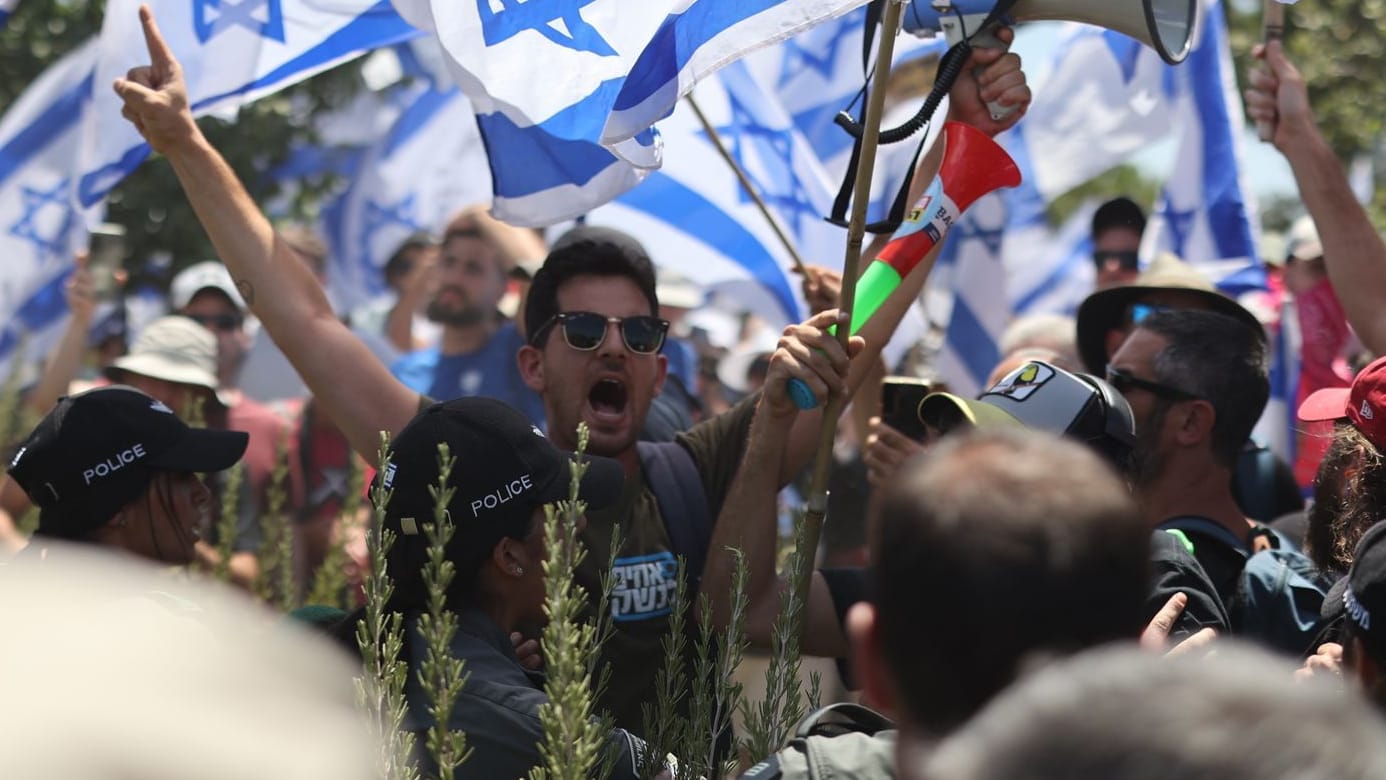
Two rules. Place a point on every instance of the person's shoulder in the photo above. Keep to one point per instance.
(852, 754)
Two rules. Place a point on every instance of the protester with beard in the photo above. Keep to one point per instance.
(475, 355)
(604, 377)
(1197, 383)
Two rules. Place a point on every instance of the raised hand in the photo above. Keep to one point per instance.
(156, 99)
(999, 79)
(1278, 96)
(810, 353)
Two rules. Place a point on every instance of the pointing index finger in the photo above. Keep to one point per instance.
(160, 56)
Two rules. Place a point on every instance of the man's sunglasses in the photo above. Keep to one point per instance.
(1128, 261)
(585, 331)
(217, 322)
(1125, 382)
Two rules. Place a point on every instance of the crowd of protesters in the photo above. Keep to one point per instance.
(1025, 583)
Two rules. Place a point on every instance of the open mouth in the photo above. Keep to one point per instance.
(608, 398)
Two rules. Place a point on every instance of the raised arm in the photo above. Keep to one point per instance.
(66, 359)
(749, 520)
(1000, 79)
(354, 388)
(1353, 251)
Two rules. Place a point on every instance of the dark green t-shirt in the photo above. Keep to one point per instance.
(646, 568)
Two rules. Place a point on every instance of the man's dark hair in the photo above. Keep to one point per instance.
(1118, 212)
(403, 256)
(1219, 360)
(587, 251)
(1344, 509)
(995, 546)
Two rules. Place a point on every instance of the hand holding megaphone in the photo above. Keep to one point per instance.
(973, 165)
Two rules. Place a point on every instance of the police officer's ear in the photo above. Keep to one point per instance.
(513, 558)
(868, 657)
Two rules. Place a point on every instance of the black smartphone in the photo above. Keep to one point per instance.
(105, 260)
(900, 398)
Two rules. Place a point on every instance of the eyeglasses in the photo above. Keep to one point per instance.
(1136, 313)
(1124, 382)
(216, 322)
(1128, 260)
(585, 331)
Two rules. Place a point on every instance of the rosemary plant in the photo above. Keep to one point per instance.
(666, 728)
(715, 692)
(573, 739)
(226, 523)
(441, 676)
(380, 636)
(330, 580)
(276, 583)
(768, 724)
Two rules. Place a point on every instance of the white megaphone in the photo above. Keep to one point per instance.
(1164, 25)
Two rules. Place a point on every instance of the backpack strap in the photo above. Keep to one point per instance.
(1202, 526)
(678, 488)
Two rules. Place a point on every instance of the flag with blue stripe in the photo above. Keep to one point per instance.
(39, 228)
(1205, 213)
(231, 53)
(6, 8)
(567, 91)
(695, 217)
(429, 165)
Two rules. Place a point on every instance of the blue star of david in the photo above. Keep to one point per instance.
(214, 17)
(1180, 226)
(381, 215)
(51, 243)
(558, 20)
(821, 54)
(787, 192)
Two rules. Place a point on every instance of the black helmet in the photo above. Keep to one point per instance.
(1044, 396)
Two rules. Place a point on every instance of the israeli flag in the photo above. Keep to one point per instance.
(39, 228)
(1205, 214)
(695, 218)
(428, 166)
(6, 8)
(577, 84)
(231, 52)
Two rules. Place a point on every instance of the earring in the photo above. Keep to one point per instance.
(519, 572)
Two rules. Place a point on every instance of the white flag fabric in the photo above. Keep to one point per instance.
(578, 84)
(1206, 213)
(39, 229)
(231, 53)
(429, 165)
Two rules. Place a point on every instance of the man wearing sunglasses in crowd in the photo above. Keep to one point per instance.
(605, 379)
(1117, 226)
(1197, 384)
(1263, 483)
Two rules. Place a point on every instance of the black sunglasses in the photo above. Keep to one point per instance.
(585, 331)
(1124, 382)
(217, 322)
(1129, 261)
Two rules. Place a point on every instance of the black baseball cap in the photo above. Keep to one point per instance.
(506, 468)
(1364, 599)
(97, 451)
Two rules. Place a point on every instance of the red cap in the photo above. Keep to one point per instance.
(1363, 404)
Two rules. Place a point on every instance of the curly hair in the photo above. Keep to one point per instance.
(1349, 497)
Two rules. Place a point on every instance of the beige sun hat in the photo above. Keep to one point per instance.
(173, 349)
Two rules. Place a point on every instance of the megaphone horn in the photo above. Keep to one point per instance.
(973, 166)
(1167, 26)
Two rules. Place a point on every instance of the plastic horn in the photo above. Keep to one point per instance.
(973, 165)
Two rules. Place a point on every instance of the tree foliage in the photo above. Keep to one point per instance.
(150, 204)
(1338, 45)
